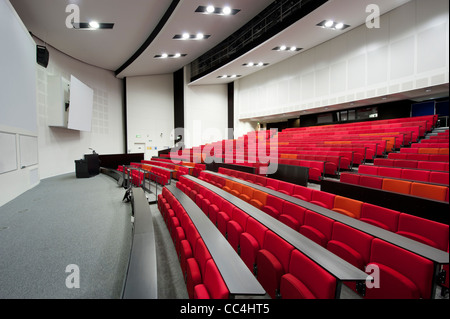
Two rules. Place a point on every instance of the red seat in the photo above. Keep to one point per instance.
(224, 216)
(273, 262)
(236, 227)
(272, 184)
(292, 215)
(306, 280)
(390, 172)
(371, 181)
(213, 286)
(323, 199)
(303, 193)
(195, 267)
(379, 216)
(439, 178)
(187, 246)
(349, 178)
(423, 230)
(274, 206)
(251, 241)
(416, 175)
(317, 227)
(285, 188)
(215, 208)
(350, 244)
(402, 274)
(369, 170)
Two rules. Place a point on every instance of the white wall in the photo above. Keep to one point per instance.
(59, 147)
(205, 113)
(410, 51)
(150, 113)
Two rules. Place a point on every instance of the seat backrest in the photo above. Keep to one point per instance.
(240, 217)
(390, 172)
(278, 247)
(380, 216)
(371, 181)
(303, 192)
(275, 202)
(396, 186)
(439, 178)
(257, 230)
(426, 231)
(416, 175)
(272, 183)
(201, 255)
(320, 282)
(287, 187)
(295, 211)
(350, 178)
(214, 282)
(349, 205)
(369, 170)
(323, 199)
(417, 269)
(429, 191)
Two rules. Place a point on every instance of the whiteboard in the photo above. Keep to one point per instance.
(28, 150)
(8, 152)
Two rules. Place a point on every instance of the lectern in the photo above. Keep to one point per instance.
(87, 167)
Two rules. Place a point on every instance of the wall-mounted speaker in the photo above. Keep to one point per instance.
(42, 55)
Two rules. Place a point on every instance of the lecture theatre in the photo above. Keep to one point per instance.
(247, 152)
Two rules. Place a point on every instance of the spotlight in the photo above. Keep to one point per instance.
(210, 9)
(94, 24)
(226, 10)
(329, 24)
(339, 26)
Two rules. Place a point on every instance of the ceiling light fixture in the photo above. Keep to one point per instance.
(252, 64)
(285, 48)
(229, 76)
(330, 24)
(187, 36)
(169, 56)
(92, 25)
(217, 11)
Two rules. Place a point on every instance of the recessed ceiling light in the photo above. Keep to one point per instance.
(187, 36)
(252, 64)
(217, 11)
(169, 56)
(282, 48)
(229, 76)
(94, 24)
(330, 24)
(285, 48)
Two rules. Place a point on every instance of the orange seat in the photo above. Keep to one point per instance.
(259, 199)
(247, 193)
(443, 151)
(429, 191)
(347, 206)
(228, 186)
(236, 190)
(428, 151)
(396, 186)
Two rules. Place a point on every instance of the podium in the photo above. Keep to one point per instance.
(87, 167)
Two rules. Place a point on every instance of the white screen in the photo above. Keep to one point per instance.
(81, 104)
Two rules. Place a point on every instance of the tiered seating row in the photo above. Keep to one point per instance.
(196, 167)
(423, 190)
(178, 170)
(419, 157)
(286, 264)
(403, 163)
(211, 268)
(435, 177)
(360, 240)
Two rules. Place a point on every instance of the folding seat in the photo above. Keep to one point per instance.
(368, 170)
(272, 184)
(390, 172)
(429, 191)
(306, 280)
(350, 178)
(317, 227)
(213, 286)
(303, 193)
(180, 231)
(402, 274)
(250, 178)
(207, 200)
(200, 196)
(347, 206)
(236, 190)
(416, 175)
(215, 208)
(194, 191)
(251, 241)
(292, 215)
(224, 216)
(434, 151)
(285, 188)
(423, 230)
(247, 193)
(235, 227)
(397, 156)
(396, 186)
(439, 178)
(379, 216)
(323, 199)
(273, 262)
(195, 267)
(274, 206)
(260, 180)
(187, 246)
(228, 186)
(350, 244)
(371, 181)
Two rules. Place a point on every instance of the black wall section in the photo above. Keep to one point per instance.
(125, 120)
(178, 92)
(152, 37)
(231, 110)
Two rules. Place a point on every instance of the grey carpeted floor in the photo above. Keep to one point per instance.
(65, 221)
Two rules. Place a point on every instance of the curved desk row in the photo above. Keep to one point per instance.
(339, 268)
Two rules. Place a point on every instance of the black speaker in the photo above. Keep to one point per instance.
(42, 55)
